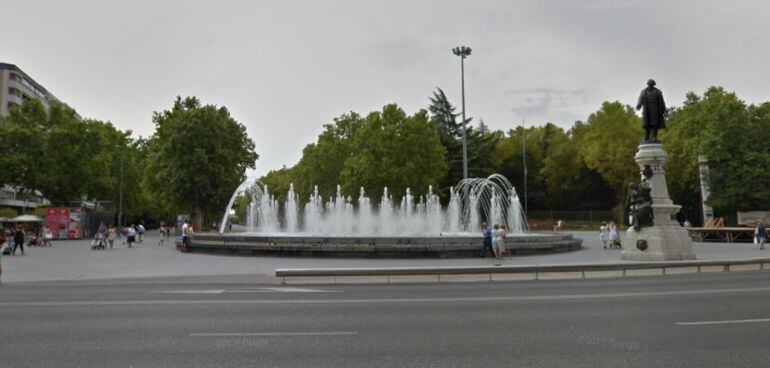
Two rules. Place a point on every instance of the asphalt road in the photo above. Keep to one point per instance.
(706, 320)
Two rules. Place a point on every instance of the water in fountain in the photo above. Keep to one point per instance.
(492, 199)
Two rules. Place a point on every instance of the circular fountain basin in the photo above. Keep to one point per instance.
(437, 246)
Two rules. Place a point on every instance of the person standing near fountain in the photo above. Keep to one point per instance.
(501, 242)
(487, 232)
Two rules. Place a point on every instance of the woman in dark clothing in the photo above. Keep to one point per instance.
(18, 240)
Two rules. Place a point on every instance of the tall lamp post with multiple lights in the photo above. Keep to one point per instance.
(463, 52)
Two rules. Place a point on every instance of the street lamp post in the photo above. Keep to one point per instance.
(463, 52)
(524, 162)
(120, 204)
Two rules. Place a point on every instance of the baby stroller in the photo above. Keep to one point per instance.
(32, 241)
(98, 243)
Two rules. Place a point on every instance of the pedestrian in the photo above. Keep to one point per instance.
(162, 231)
(761, 234)
(130, 235)
(18, 239)
(501, 242)
(112, 234)
(559, 225)
(140, 229)
(2, 249)
(47, 235)
(614, 236)
(604, 234)
(487, 232)
(495, 228)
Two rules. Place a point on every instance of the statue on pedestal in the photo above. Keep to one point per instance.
(640, 201)
(654, 113)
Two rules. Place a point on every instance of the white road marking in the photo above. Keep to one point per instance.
(217, 291)
(383, 300)
(726, 322)
(258, 290)
(269, 334)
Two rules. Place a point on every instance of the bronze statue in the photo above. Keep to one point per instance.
(654, 113)
(640, 201)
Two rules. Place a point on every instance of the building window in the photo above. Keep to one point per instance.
(15, 77)
(14, 92)
(12, 105)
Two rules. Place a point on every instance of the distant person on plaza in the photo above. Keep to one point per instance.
(487, 233)
(559, 225)
(186, 233)
(614, 235)
(47, 235)
(140, 228)
(2, 248)
(495, 228)
(501, 242)
(18, 239)
(604, 234)
(131, 235)
(162, 231)
(112, 234)
(761, 234)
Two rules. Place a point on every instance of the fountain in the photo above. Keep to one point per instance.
(414, 226)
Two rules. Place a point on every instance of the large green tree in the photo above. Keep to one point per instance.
(65, 157)
(396, 151)
(197, 157)
(607, 143)
(733, 136)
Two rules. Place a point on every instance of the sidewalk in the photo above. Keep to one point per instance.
(73, 260)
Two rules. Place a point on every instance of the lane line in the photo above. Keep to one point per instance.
(383, 300)
(725, 322)
(270, 334)
(258, 290)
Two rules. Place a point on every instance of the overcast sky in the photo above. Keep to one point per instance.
(284, 68)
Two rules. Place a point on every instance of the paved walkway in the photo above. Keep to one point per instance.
(73, 260)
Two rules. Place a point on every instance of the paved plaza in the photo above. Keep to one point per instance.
(73, 260)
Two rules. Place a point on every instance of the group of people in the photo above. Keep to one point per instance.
(494, 240)
(134, 233)
(19, 236)
(608, 234)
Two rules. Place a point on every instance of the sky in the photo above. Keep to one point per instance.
(285, 68)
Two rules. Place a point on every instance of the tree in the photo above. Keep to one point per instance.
(197, 157)
(396, 151)
(59, 154)
(479, 142)
(734, 138)
(607, 143)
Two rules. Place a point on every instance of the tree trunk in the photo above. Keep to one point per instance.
(198, 219)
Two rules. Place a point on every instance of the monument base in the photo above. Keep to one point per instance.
(666, 239)
(663, 244)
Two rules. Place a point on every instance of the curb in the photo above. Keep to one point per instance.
(390, 275)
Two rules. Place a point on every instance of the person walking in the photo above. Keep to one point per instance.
(141, 229)
(112, 234)
(495, 228)
(2, 249)
(163, 233)
(761, 234)
(18, 239)
(604, 234)
(501, 242)
(487, 233)
(614, 236)
(130, 235)
(186, 234)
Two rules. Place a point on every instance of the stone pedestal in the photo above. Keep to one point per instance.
(666, 240)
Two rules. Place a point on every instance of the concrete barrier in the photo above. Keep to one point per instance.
(497, 273)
